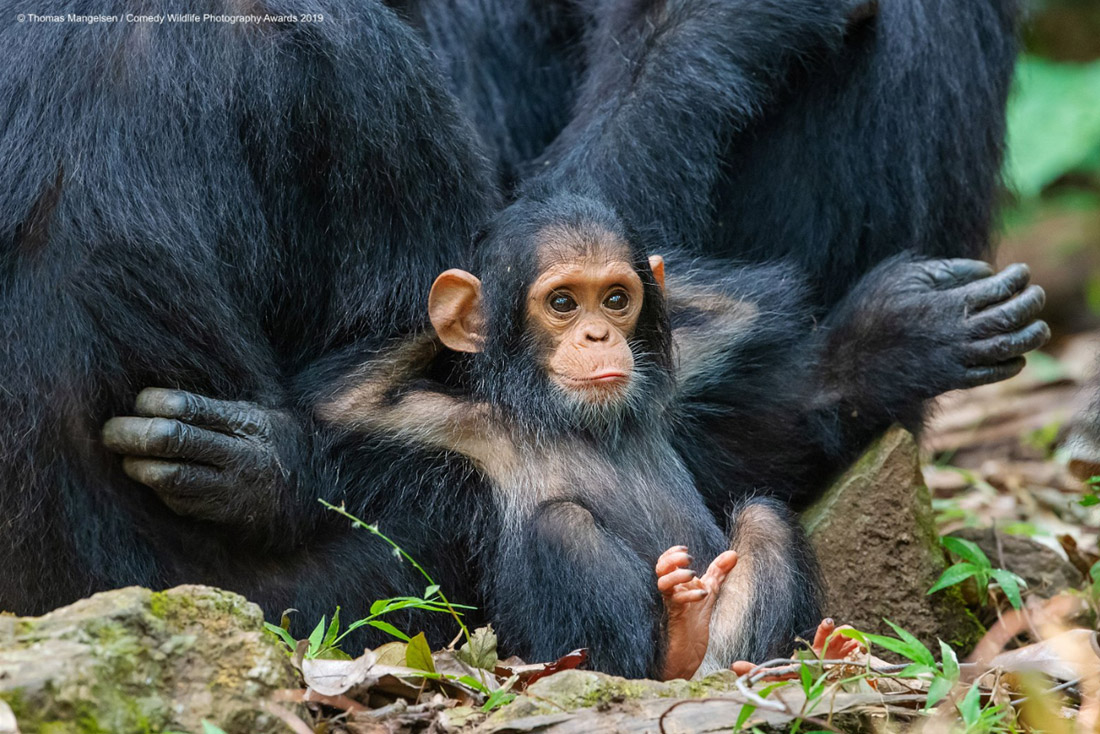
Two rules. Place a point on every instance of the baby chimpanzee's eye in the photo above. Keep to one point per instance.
(617, 301)
(562, 302)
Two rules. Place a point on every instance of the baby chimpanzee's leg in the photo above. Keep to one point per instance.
(689, 601)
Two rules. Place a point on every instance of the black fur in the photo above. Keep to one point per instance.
(211, 207)
(758, 129)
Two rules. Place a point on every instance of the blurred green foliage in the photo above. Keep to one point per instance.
(1053, 123)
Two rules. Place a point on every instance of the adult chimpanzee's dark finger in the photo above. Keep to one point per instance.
(975, 376)
(198, 409)
(952, 273)
(995, 289)
(1002, 348)
(1013, 314)
(168, 439)
(175, 482)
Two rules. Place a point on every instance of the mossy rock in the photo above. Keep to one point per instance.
(133, 661)
(875, 537)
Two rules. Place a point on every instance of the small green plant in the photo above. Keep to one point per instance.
(922, 664)
(974, 564)
(208, 728)
(1092, 486)
(325, 639)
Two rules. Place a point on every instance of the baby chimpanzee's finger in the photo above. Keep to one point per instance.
(1010, 315)
(198, 409)
(718, 569)
(669, 581)
(997, 288)
(687, 595)
(673, 558)
(821, 635)
(955, 272)
(997, 349)
(168, 439)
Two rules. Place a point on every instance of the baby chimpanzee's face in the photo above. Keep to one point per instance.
(585, 307)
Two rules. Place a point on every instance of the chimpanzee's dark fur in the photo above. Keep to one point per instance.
(212, 207)
(841, 140)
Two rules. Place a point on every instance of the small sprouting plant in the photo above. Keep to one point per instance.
(1092, 486)
(974, 564)
(324, 641)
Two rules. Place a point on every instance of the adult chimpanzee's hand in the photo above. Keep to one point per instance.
(912, 329)
(228, 462)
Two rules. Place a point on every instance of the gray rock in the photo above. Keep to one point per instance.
(138, 661)
(875, 536)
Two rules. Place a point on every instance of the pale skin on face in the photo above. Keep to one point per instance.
(584, 308)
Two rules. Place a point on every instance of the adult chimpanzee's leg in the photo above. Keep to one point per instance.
(665, 85)
(214, 208)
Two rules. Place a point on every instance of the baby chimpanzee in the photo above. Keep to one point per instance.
(562, 378)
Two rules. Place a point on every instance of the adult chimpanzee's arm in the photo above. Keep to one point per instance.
(369, 183)
(665, 84)
(913, 329)
(772, 405)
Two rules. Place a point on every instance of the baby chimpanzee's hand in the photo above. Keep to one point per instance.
(689, 601)
(216, 460)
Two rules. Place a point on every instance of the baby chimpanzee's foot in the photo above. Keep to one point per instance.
(826, 646)
(689, 601)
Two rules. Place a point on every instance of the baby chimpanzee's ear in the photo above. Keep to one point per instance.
(454, 307)
(657, 265)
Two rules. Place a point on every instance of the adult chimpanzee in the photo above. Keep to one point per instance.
(847, 130)
(211, 206)
(555, 376)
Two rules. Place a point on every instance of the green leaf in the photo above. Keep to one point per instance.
(496, 699)
(806, 678)
(1053, 122)
(390, 630)
(916, 670)
(474, 683)
(950, 662)
(971, 706)
(333, 630)
(954, 575)
(937, 690)
(1010, 584)
(918, 653)
(316, 637)
(431, 591)
(418, 655)
(856, 635)
(481, 650)
(282, 634)
(743, 715)
(208, 728)
(1089, 500)
(966, 550)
